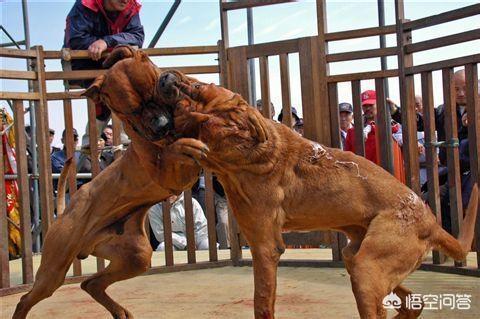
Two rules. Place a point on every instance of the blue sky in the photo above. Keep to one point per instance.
(198, 23)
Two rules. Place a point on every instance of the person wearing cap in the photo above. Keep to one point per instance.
(297, 123)
(53, 149)
(371, 139)
(345, 111)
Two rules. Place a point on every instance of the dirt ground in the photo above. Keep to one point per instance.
(228, 293)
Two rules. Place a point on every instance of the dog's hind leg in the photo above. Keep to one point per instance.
(382, 263)
(129, 253)
(57, 256)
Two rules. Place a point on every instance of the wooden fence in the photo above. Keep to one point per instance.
(319, 92)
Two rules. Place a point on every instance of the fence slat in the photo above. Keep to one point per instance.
(167, 233)
(443, 41)
(93, 137)
(384, 129)
(18, 75)
(190, 226)
(265, 87)
(334, 117)
(72, 178)
(358, 118)
(45, 169)
(4, 258)
(473, 111)
(431, 155)
(362, 54)
(24, 193)
(360, 33)
(451, 132)
(285, 85)
(210, 214)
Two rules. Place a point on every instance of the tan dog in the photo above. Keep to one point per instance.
(274, 179)
(105, 217)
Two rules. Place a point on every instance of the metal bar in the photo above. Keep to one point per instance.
(9, 44)
(10, 37)
(164, 24)
(251, 62)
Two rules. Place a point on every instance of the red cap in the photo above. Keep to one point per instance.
(369, 97)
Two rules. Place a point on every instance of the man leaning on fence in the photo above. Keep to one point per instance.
(98, 26)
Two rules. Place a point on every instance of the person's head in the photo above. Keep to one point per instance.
(419, 104)
(107, 135)
(295, 117)
(100, 143)
(51, 135)
(75, 137)
(259, 104)
(346, 115)
(369, 105)
(460, 87)
(115, 5)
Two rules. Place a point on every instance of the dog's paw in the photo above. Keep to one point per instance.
(190, 148)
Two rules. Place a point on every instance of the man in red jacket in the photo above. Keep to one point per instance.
(99, 26)
(369, 107)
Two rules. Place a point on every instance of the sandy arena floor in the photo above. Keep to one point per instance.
(227, 293)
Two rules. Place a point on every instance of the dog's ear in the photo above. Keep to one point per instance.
(119, 53)
(93, 91)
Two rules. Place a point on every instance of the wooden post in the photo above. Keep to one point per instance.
(453, 165)
(41, 112)
(358, 118)
(210, 214)
(4, 257)
(265, 87)
(189, 226)
(167, 233)
(407, 101)
(285, 84)
(431, 155)
(24, 192)
(384, 129)
(473, 111)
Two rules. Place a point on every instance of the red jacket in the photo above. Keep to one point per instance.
(372, 151)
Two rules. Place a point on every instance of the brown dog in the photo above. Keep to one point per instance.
(274, 179)
(105, 217)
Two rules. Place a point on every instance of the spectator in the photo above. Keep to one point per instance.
(58, 158)
(221, 210)
(259, 104)
(105, 158)
(98, 26)
(346, 121)
(11, 200)
(369, 107)
(107, 135)
(53, 149)
(297, 123)
(179, 232)
(421, 141)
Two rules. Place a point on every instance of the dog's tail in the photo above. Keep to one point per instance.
(458, 249)
(62, 186)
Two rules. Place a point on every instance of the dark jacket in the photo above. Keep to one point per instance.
(88, 22)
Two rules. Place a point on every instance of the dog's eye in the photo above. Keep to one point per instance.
(197, 86)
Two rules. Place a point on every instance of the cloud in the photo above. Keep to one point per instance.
(184, 20)
(272, 27)
(240, 28)
(293, 32)
(212, 24)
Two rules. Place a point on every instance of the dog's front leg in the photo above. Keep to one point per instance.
(266, 245)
